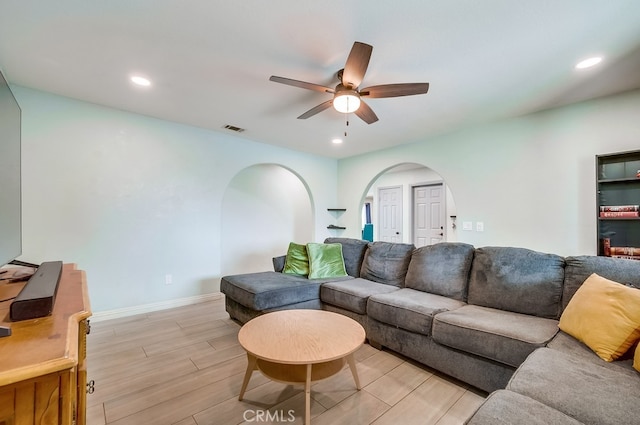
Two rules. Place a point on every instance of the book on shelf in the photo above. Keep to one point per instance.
(624, 250)
(627, 252)
(619, 208)
(619, 214)
(627, 257)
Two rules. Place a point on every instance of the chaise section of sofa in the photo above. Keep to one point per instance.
(251, 294)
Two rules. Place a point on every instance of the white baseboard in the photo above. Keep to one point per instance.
(147, 308)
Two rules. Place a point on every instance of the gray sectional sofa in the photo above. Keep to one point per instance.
(486, 316)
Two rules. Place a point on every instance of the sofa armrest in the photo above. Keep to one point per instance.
(278, 263)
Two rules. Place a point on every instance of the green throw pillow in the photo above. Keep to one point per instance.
(297, 260)
(325, 260)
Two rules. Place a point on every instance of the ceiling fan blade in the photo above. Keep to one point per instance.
(321, 107)
(366, 113)
(395, 90)
(357, 64)
(301, 84)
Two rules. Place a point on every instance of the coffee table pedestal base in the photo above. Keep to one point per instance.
(298, 374)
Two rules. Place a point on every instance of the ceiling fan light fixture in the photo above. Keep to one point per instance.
(346, 101)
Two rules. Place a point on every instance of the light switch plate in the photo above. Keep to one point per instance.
(479, 226)
(467, 225)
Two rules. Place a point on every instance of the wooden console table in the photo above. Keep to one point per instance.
(43, 371)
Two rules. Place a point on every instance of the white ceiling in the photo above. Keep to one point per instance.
(210, 60)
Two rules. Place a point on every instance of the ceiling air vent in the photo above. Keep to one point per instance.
(234, 128)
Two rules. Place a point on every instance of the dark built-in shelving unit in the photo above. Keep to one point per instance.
(618, 204)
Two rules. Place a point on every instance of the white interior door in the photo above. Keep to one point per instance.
(428, 214)
(390, 217)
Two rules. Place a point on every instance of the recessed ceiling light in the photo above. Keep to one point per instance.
(336, 141)
(140, 81)
(588, 63)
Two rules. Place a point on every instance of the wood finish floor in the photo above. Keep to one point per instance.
(184, 366)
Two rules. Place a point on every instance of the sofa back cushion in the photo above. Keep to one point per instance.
(518, 280)
(387, 262)
(353, 252)
(579, 268)
(441, 269)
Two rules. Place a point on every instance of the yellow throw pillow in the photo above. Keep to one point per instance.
(636, 359)
(605, 315)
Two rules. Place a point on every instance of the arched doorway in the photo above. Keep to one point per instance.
(409, 203)
(265, 207)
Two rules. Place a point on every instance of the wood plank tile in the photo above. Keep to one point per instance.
(462, 409)
(186, 421)
(95, 415)
(333, 390)
(290, 411)
(425, 405)
(184, 338)
(128, 404)
(359, 408)
(398, 383)
(177, 408)
(110, 387)
(184, 366)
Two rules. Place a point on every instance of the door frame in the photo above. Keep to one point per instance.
(412, 219)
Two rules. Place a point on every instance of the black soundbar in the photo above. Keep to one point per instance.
(37, 297)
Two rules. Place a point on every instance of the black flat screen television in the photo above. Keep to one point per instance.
(10, 188)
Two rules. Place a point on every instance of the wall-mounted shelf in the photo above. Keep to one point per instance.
(336, 210)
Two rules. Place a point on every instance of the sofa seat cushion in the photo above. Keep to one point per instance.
(266, 290)
(505, 407)
(441, 269)
(352, 294)
(502, 336)
(518, 280)
(590, 393)
(386, 262)
(569, 345)
(409, 309)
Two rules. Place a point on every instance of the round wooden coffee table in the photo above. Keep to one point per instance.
(300, 346)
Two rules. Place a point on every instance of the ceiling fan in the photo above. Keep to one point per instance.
(347, 97)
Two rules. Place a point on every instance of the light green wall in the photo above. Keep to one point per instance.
(530, 180)
(131, 199)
